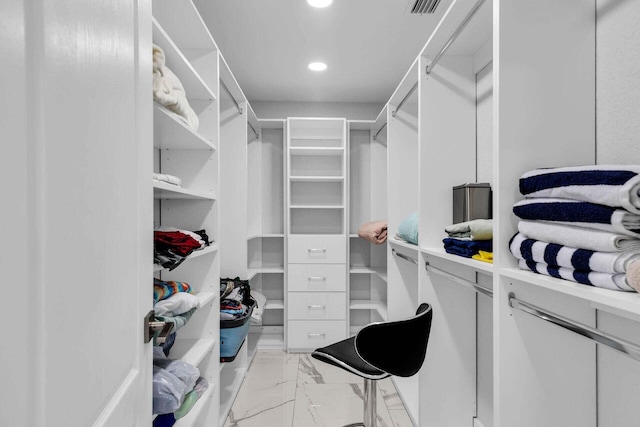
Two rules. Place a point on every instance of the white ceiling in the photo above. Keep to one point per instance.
(368, 46)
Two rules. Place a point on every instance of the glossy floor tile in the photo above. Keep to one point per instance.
(295, 390)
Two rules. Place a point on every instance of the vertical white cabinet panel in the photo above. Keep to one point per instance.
(544, 112)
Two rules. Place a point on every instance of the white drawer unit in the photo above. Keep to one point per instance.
(306, 249)
(305, 335)
(317, 305)
(317, 277)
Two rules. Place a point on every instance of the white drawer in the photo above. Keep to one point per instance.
(317, 305)
(317, 277)
(309, 335)
(315, 248)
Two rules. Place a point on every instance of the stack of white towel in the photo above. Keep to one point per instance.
(581, 224)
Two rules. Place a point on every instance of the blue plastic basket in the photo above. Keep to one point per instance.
(232, 335)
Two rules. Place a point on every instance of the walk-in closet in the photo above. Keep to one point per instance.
(471, 167)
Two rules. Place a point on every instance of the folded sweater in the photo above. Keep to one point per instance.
(477, 229)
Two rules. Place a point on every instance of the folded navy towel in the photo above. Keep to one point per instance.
(467, 248)
(610, 185)
(581, 214)
(565, 256)
(615, 281)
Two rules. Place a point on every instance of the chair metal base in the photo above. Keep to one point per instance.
(370, 403)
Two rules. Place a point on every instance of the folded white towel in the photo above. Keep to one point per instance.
(610, 185)
(615, 282)
(169, 179)
(258, 310)
(169, 92)
(476, 229)
(569, 257)
(578, 237)
(176, 304)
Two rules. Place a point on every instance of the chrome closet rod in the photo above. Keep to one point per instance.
(226, 89)
(254, 131)
(404, 257)
(454, 35)
(459, 280)
(401, 103)
(379, 130)
(599, 337)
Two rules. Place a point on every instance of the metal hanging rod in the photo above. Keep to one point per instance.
(454, 35)
(459, 280)
(404, 257)
(600, 337)
(379, 130)
(401, 103)
(226, 89)
(253, 129)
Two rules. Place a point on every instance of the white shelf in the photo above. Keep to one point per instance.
(195, 254)
(194, 86)
(299, 178)
(316, 151)
(378, 306)
(162, 190)
(192, 351)
(171, 133)
(274, 305)
(192, 416)
(468, 262)
(268, 337)
(380, 271)
(401, 243)
(265, 236)
(253, 272)
(206, 297)
(181, 19)
(317, 206)
(603, 299)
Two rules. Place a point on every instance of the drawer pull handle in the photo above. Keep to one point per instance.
(323, 278)
(317, 335)
(316, 307)
(314, 250)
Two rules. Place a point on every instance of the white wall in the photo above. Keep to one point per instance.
(484, 124)
(618, 81)
(348, 110)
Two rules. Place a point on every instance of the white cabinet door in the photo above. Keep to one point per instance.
(76, 172)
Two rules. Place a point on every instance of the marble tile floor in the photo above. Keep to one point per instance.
(295, 390)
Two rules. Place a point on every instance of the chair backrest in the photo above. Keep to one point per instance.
(397, 347)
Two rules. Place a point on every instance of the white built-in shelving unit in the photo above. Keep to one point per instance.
(192, 155)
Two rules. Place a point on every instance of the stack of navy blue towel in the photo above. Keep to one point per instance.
(580, 223)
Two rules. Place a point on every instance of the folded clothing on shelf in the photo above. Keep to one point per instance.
(374, 232)
(466, 248)
(163, 289)
(610, 185)
(569, 257)
(476, 229)
(169, 179)
(579, 214)
(408, 228)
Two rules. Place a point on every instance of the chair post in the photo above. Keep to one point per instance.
(370, 397)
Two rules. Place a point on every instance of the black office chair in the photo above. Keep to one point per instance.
(380, 350)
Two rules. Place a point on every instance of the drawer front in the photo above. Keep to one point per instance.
(317, 305)
(317, 249)
(317, 277)
(308, 335)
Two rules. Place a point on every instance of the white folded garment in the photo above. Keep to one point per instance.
(258, 310)
(169, 92)
(578, 237)
(615, 282)
(176, 304)
(476, 229)
(576, 258)
(610, 185)
(169, 179)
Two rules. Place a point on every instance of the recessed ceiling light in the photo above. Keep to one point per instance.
(319, 3)
(317, 66)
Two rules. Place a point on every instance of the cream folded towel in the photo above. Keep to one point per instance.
(169, 179)
(169, 92)
(578, 237)
(476, 229)
(374, 232)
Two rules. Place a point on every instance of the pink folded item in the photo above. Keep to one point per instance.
(374, 232)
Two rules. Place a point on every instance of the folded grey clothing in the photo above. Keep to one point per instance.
(476, 229)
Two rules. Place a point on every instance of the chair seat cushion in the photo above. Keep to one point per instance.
(343, 355)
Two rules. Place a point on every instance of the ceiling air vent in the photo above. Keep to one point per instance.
(425, 6)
